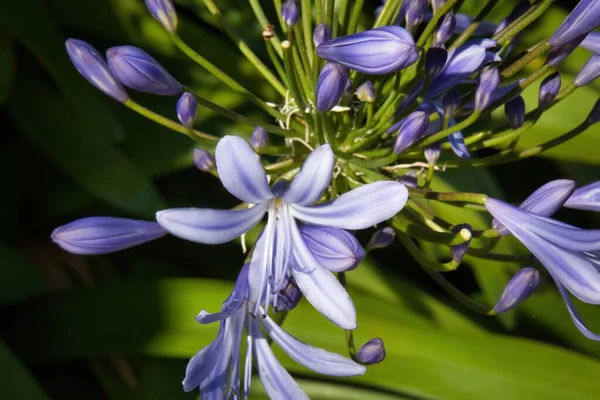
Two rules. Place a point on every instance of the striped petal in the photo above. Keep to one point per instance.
(313, 178)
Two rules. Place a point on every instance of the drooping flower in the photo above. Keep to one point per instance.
(568, 253)
(383, 237)
(216, 368)
(518, 289)
(281, 243)
(589, 72)
(548, 90)
(585, 198)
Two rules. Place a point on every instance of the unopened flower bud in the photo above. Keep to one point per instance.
(557, 54)
(289, 297)
(375, 52)
(347, 96)
(92, 66)
(103, 235)
(584, 18)
(321, 34)
(414, 13)
(203, 160)
(258, 139)
(451, 101)
(548, 90)
(187, 107)
(591, 42)
(445, 28)
(489, 80)
(138, 70)
(436, 5)
(458, 251)
(585, 198)
(514, 109)
(330, 86)
(518, 289)
(382, 237)
(589, 72)
(366, 92)
(290, 12)
(164, 12)
(335, 249)
(432, 153)
(413, 128)
(594, 115)
(410, 179)
(372, 352)
(435, 59)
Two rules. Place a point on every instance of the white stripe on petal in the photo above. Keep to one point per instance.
(240, 170)
(358, 209)
(313, 178)
(204, 225)
(314, 358)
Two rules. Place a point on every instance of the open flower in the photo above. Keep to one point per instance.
(216, 368)
(281, 245)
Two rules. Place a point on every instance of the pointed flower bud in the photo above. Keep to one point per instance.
(92, 66)
(414, 13)
(451, 101)
(458, 251)
(321, 34)
(489, 80)
(445, 28)
(432, 153)
(138, 70)
(435, 59)
(589, 72)
(594, 115)
(548, 90)
(414, 127)
(103, 235)
(366, 92)
(258, 139)
(382, 237)
(290, 12)
(557, 54)
(203, 160)
(164, 12)
(289, 297)
(436, 5)
(375, 52)
(518, 289)
(187, 107)
(514, 109)
(410, 179)
(372, 352)
(584, 18)
(585, 198)
(330, 86)
(335, 249)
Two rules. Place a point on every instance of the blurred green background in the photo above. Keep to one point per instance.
(121, 326)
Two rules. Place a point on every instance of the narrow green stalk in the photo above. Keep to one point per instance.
(518, 65)
(348, 332)
(402, 224)
(319, 12)
(428, 31)
(421, 258)
(306, 9)
(276, 61)
(288, 62)
(342, 16)
(474, 25)
(476, 198)
(243, 47)
(449, 131)
(428, 218)
(388, 11)
(304, 55)
(264, 22)
(329, 12)
(522, 22)
(354, 16)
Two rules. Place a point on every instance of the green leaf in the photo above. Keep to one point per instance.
(19, 277)
(156, 318)
(7, 65)
(90, 160)
(16, 382)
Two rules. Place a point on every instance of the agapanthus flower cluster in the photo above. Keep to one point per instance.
(362, 123)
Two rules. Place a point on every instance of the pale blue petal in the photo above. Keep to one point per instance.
(240, 170)
(585, 198)
(357, 209)
(548, 198)
(460, 65)
(592, 42)
(205, 225)
(335, 249)
(457, 142)
(232, 304)
(318, 360)
(203, 363)
(313, 178)
(278, 383)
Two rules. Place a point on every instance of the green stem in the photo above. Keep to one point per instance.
(306, 10)
(474, 25)
(526, 59)
(354, 16)
(421, 258)
(522, 22)
(476, 198)
(264, 22)
(402, 224)
(389, 8)
(447, 132)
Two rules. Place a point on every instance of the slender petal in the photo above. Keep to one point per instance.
(240, 170)
(457, 142)
(204, 225)
(232, 304)
(278, 383)
(549, 198)
(592, 42)
(313, 178)
(589, 72)
(203, 363)
(585, 198)
(584, 18)
(358, 209)
(318, 360)
(519, 288)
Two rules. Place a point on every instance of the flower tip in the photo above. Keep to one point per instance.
(372, 352)
(518, 289)
(466, 234)
(164, 12)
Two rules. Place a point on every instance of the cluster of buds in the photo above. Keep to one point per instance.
(423, 73)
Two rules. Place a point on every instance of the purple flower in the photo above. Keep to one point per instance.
(435, 59)
(432, 153)
(290, 12)
(489, 80)
(321, 34)
(413, 128)
(589, 72)
(203, 160)
(557, 54)
(459, 251)
(451, 101)
(258, 139)
(335, 249)
(514, 109)
(410, 179)
(289, 297)
(445, 28)
(592, 42)
(216, 369)
(366, 92)
(330, 86)
(281, 243)
(585, 198)
(382, 237)
(375, 52)
(567, 252)
(164, 12)
(414, 13)
(548, 90)
(138, 70)
(518, 289)
(372, 352)
(92, 66)
(187, 107)
(103, 235)
(584, 18)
